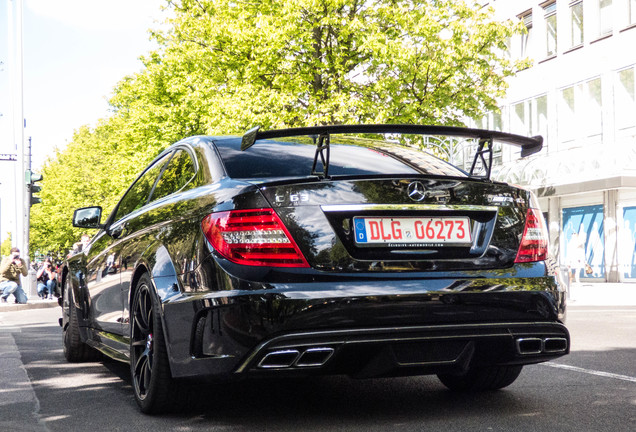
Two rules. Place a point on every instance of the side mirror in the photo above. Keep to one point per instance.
(87, 217)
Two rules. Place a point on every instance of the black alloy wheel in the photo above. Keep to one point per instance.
(154, 388)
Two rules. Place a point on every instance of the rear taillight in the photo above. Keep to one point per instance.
(534, 243)
(252, 237)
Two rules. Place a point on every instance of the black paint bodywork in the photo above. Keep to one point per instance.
(377, 311)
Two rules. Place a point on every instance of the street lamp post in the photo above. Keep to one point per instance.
(16, 78)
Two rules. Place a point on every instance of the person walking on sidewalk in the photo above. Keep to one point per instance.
(10, 270)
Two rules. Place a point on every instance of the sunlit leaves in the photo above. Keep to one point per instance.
(224, 66)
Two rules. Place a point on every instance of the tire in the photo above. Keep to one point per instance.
(482, 379)
(75, 350)
(155, 389)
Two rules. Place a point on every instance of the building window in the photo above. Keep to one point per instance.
(627, 243)
(526, 38)
(541, 114)
(576, 21)
(580, 113)
(530, 117)
(567, 116)
(550, 29)
(625, 99)
(605, 17)
(495, 122)
(583, 241)
(519, 121)
(492, 121)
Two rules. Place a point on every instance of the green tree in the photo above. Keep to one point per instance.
(223, 66)
(279, 63)
(5, 248)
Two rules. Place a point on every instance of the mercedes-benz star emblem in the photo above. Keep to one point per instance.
(416, 191)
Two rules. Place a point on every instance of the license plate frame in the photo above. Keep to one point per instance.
(412, 231)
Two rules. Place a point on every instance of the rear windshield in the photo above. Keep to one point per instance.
(294, 157)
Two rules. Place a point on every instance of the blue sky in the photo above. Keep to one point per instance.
(74, 52)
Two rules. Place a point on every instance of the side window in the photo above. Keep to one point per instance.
(138, 194)
(177, 174)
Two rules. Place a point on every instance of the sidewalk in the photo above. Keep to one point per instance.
(36, 303)
(602, 294)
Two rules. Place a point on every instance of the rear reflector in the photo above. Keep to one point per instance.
(254, 237)
(534, 243)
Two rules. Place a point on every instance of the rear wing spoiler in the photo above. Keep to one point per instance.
(484, 152)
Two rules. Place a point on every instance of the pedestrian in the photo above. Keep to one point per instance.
(10, 270)
(80, 245)
(47, 280)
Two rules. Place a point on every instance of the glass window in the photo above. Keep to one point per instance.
(625, 99)
(491, 121)
(591, 110)
(583, 241)
(530, 117)
(497, 123)
(526, 38)
(177, 174)
(627, 243)
(294, 157)
(576, 21)
(137, 196)
(567, 115)
(518, 123)
(581, 111)
(605, 17)
(541, 104)
(594, 103)
(551, 29)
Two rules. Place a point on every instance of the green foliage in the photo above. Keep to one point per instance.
(223, 66)
(5, 248)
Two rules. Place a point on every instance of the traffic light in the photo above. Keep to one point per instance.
(31, 178)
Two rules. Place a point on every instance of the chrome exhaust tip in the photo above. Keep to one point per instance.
(529, 346)
(279, 359)
(296, 358)
(314, 357)
(555, 345)
(534, 346)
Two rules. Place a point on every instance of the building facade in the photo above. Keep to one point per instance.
(579, 94)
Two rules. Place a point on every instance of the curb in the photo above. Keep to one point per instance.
(12, 307)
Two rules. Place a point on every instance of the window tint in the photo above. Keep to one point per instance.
(286, 159)
(177, 174)
(138, 194)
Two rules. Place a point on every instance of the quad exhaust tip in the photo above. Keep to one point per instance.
(535, 345)
(293, 358)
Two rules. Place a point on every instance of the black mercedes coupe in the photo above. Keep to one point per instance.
(321, 250)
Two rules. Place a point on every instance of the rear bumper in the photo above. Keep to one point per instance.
(408, 350)
(366, 327)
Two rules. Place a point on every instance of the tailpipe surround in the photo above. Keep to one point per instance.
(538, 345)
(296, 358)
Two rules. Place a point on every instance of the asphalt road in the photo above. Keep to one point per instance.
(592, 389)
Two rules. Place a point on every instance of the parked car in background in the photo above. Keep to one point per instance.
(322, 250)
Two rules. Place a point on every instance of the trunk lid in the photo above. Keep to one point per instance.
(408, 224)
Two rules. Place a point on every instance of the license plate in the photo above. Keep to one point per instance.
(412, 231)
